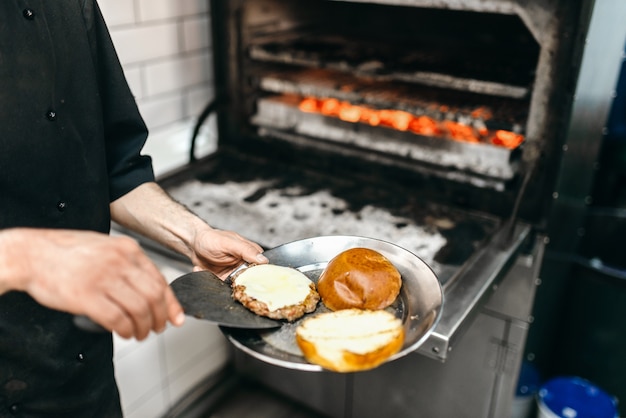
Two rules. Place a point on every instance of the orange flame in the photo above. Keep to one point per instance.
(404, 121)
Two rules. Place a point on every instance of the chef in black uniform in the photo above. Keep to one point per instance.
(70, 142)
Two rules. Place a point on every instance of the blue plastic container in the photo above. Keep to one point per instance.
(574, 397)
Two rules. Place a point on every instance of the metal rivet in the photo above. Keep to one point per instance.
(51, 115)
(61, 206)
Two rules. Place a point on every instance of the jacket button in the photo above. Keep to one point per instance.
(15, 408)
(28, 14)
(61, 206)
(80, 357)
(51, 115)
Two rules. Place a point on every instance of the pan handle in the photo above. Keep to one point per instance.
(229, 279)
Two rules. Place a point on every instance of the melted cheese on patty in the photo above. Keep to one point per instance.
(276, 286)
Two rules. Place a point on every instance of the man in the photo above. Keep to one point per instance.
(70, 142)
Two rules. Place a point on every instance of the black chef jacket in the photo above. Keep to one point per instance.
(70, 141)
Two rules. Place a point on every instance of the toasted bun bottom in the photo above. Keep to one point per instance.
(351, 339)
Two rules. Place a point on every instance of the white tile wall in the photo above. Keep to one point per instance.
(196, 34)
(197, 98)
(163, 111)
(166, 9)
(141, 43)
(193, 351)
(117, 12)
(165, 49)
(174, 75)
(169, 147)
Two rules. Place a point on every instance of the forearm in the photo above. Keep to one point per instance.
(149, 211)
(14, 264)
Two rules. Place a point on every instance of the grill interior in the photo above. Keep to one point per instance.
(459, 76)
(448, 68)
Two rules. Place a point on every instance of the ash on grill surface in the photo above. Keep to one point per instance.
(274, 203)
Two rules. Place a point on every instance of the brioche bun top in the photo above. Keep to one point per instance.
(359, 278)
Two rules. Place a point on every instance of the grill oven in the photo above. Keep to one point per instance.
(437, 125)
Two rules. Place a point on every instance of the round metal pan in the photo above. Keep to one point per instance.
(418, 305)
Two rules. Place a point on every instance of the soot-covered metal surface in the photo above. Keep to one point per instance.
(276, 203)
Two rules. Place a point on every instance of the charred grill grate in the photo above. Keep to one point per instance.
(473, 109)
(461, 68)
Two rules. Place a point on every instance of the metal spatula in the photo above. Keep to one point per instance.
(204, 296)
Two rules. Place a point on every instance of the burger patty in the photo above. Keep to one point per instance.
(289, 313)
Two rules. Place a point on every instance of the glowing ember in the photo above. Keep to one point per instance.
(507, 139)
(404, 121)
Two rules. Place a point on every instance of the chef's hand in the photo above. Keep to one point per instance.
(108, 279)
(221, 252)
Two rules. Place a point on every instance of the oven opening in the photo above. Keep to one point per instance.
(437, 91)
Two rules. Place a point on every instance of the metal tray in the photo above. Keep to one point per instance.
(419, 304)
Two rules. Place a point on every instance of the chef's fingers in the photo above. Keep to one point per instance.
(175, 312)
(130, 320)
(154, 290)
(111, 316)
(254, 256)
(134, 305)
(249, 251)
(162, 303)
(152, 286)
(221, 252)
